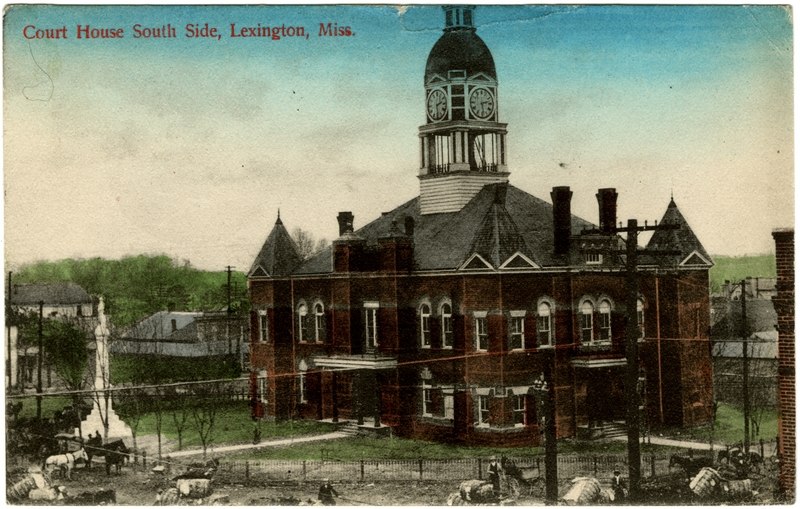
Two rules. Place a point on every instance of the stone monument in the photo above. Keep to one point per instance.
(102, 409)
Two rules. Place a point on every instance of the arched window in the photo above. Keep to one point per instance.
(640, 316)
(425, 325)
(319, 322)
(446, 312)
(544, 324)
(604, 309)
(302, 314)
(587, 322)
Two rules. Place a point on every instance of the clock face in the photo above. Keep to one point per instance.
(437, 104)
(481, 103)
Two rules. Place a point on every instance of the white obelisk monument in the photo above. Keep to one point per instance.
(102, 409)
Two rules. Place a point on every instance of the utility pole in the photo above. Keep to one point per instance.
(745, 371)
(39, 365)
(550, 445)
(228, 270)
(8, 332)
(632, 399)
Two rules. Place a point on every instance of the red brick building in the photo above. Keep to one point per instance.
(437, 317)
(787, 410)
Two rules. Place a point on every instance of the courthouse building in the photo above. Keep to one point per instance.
(437, 318)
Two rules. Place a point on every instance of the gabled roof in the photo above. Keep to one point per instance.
(682, 239)
(49, 293)
(520, 222)
(278, 255)
(159, 327)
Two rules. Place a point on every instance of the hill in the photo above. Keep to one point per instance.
(137, 286)
(736, 268)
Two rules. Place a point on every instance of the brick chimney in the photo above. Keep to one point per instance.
(562, 218)
(607, 203)
(345, 222)
(396, 250)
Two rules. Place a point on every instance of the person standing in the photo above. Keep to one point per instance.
(326, 493)
(495, 469)
(618, 486)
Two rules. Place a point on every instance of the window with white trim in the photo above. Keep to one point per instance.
(483, 410)
(544, 324)
(319, 322)
(481, 332)
(517, 331)
(520, 410)
(371, 324)
(263, 326)
(449, 406)
(427, 399)
(587, 322)
(604, 310)
(446, 312)
(640, 317)
(302, 313)
(262, 386)
(425, 326)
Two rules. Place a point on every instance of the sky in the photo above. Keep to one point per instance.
(189, 146)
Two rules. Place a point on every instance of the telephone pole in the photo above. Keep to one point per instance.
(39, 365)
(745, 371)
(228, 270)
(632, 399)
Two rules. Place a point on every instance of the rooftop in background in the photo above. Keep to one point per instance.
(49, 293)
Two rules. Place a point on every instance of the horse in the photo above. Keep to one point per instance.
(690, 465)
(116, 453)
(65, 462)
(739, 456)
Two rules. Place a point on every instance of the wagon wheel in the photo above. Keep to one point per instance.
(512, 487)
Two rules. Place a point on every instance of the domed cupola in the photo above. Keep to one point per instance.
(462, 144)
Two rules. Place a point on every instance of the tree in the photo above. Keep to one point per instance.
(207, 399)
(65, 348)
(307, 245)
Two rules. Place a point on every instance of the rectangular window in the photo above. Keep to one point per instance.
(481, 333)
(427, 400)
(587, 334)
(517, 340)
(262, 386)
(263, 326)
(605, 326)
(520, 410)
(483, 410)
(449, 406)
(301, 387)
(371, 324)
(544, 330)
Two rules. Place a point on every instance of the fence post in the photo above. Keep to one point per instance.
(538, 467)
(144, 460)
(420, 468)
(169, 465)
(304, 470)
(247, 470)
(136, 456)
(652, 465)
(480, 469)
(761, 446)
(362, 469)
(594, 462)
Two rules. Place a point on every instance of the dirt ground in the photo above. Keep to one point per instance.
(140, 488)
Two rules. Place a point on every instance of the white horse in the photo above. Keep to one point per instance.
(65, 462)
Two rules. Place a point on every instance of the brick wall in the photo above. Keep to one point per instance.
(784, 306)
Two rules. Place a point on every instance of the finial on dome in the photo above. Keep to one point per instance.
(279, 217)
(459, 17)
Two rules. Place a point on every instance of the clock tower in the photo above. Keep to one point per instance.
(462, 144)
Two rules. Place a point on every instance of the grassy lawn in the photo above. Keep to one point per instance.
(729, 427)
(394, 448)
(232, 425)
(50, 404)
